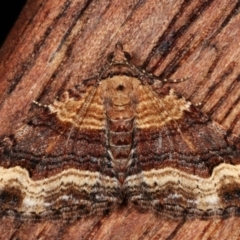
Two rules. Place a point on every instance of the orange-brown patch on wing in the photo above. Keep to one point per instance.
(85, 113)
(155, 112)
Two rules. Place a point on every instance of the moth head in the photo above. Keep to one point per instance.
(118, 56)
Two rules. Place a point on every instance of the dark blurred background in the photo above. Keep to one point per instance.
(9, 12)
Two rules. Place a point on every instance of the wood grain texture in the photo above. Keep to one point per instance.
(56, 44)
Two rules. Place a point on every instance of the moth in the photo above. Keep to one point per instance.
(123, 137)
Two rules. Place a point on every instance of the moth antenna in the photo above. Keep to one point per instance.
(177, 80)
(40, 105)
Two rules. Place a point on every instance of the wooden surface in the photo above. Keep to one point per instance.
(56, 44)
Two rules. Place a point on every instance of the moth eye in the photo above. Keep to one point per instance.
(127, 56)
(110, 56)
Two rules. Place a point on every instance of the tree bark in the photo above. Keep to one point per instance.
(57, 44)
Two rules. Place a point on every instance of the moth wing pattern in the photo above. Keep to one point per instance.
(184, 159)
(60, 158)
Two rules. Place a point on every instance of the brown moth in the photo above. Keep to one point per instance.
(122, 137)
